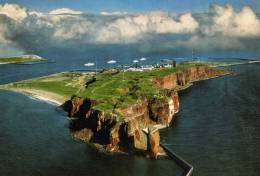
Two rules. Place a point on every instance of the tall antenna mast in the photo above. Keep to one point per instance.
(192, 54)
(96, 65)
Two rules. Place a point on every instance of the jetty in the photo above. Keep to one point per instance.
(187, 167)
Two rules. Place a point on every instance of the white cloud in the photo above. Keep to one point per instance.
(13, 11)
(74, 30)
(37, 14)
(113, 13)
(132, 27)
(224, 28)
(118, 31)
(165, 24)
(234, 24)
(65, 11)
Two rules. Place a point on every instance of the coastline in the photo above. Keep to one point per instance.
(178, 89)
(56, 99)
(104, 119)
(40, 95)
(7, 63)
(237, 63)
(44, 98)
(22, 61)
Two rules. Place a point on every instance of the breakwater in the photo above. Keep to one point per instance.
(187, 167)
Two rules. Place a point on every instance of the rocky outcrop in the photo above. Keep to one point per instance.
(155, 144)
(91, 125)
(127, 135)
(185, 77)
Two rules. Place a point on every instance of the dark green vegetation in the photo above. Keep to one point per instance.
(18, 60)
(111, 89)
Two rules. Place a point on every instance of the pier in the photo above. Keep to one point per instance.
(187, 167)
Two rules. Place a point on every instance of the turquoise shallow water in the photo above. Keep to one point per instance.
(217, 131)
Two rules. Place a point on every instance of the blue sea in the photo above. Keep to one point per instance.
(217, 130)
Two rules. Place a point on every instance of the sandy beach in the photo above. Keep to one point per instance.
(41, 95)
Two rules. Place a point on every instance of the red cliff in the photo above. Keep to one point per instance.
(182, 78)
(128, 135)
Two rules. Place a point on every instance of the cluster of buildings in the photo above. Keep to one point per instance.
(138, 65)
(163, 64)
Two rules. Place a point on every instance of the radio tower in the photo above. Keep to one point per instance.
(192, 54)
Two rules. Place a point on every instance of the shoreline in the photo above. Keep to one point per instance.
(56, 99)
(44, 99)
(40, 95)
(8, 63)
(22, 62)
(237, 63)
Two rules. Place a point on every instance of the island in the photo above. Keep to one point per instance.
(21, 59)
(119, 111)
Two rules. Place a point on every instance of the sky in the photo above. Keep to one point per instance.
(132, 5)
(30, 26)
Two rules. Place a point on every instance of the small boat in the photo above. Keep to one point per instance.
(111, 61)
(89, 64)
(143, 59)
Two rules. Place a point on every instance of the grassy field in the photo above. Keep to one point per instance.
(18, 60)
(64, 84)
(111, 89)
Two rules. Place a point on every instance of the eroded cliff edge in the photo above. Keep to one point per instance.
(123, 129)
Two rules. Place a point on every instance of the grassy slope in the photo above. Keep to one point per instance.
(64, 84)
(19, 60)
(110, 90)
(126, 88)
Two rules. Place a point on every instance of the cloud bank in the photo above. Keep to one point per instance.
(234, 24)
(13, 11)
(64, 11)
(130, 28)
(223, 28)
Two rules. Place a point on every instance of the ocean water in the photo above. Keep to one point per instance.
(35, 138)
(218, 127)
(217, 131)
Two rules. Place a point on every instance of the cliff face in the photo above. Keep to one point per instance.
(185, 77)
(91, 125)
(128, 135)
